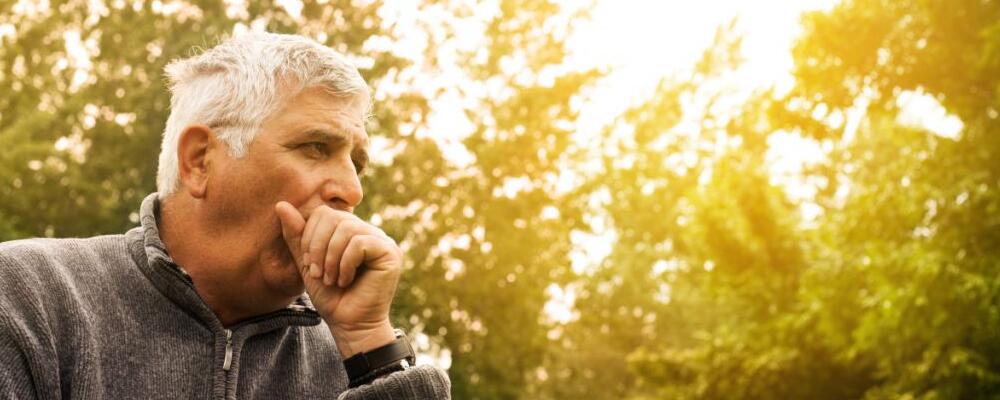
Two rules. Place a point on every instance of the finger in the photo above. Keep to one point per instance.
(307, 235)
(338, 242)
(326, 224)
(292, 225)
(354, 256)
(375, 252)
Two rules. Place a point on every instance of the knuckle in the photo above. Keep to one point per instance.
(380, 233)
(389, 241)
(316, 246)
(360, 225)
(346, 226)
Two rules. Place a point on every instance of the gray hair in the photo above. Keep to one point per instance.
(235, 86)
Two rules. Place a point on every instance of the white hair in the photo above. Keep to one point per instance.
(235, 86)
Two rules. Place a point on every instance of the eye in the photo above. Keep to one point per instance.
(315, 149)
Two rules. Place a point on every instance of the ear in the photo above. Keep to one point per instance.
(194, 149)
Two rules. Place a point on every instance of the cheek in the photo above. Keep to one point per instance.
(291, 183)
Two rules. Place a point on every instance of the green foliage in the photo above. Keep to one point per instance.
(891, 292)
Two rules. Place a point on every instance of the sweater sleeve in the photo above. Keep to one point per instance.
(421, 382)
(16, 379)
(15, 376)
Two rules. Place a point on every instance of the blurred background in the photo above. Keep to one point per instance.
(601, 199)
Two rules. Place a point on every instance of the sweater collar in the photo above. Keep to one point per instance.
(151, 255)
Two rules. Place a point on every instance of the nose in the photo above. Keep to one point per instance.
(342, 190)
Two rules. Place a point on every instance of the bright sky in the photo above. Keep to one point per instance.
(644, 40)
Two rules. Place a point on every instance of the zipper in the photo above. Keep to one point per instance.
(229, 351)
(293, 311)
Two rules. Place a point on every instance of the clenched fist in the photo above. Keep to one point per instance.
(350, 269)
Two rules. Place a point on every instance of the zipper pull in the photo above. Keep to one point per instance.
(229, 351)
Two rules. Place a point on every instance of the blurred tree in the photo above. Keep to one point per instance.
(894, 292)
(490, 234)
(913, 272)
(700, 288)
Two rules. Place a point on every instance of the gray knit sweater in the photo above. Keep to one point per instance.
(112, 317)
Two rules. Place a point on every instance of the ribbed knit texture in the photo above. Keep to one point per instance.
(112, 317)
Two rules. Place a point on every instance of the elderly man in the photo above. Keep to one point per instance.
(257, 180)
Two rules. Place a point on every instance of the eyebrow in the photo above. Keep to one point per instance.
(324, 135)
(359, 154)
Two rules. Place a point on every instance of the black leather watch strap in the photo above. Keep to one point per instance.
(365, 367)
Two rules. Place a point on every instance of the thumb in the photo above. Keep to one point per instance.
(292, 225)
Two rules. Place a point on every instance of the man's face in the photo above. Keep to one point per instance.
(308, 154)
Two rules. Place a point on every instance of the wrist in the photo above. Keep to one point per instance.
(360, 340)
(365, 367)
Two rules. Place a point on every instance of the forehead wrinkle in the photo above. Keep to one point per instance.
(340, 121)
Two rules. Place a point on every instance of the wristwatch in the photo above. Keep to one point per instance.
(362, 368)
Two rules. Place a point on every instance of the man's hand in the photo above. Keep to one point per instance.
(350, 270)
